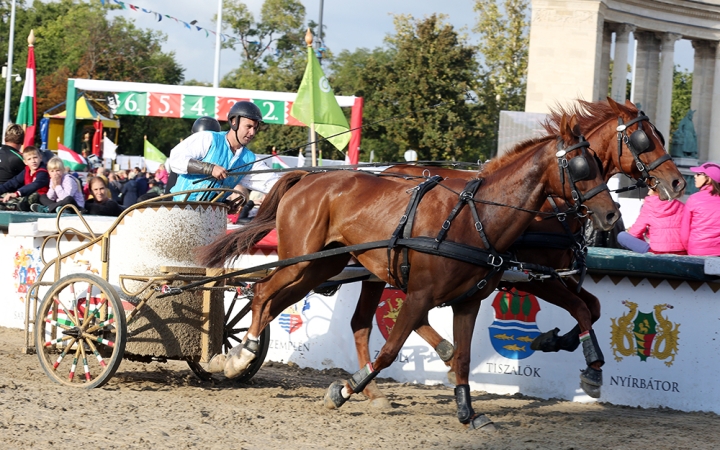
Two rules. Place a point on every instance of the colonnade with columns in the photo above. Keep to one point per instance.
(652, 83)
(570, 58)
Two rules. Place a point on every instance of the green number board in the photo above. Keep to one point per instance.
(195, 106)
(132, 103)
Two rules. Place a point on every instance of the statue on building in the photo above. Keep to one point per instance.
(684, 139)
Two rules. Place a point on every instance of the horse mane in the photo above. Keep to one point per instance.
(520, 147)
(589, 114)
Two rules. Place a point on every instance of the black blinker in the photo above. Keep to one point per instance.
(640, 141)
(579, 168)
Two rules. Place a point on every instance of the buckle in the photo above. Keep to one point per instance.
(446, 225)
(478, 226)
(495, 260)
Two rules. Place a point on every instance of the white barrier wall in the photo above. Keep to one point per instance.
(660, 340)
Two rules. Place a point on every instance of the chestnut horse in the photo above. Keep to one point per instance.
(314, 212)
(599, 122)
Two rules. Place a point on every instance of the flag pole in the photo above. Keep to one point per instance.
(313, 146)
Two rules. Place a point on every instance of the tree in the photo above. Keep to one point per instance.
(503, 47)
(682, 97)
(420, 86)
(276, 35)
(75, 39)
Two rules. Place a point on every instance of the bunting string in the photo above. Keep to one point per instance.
(159, 17)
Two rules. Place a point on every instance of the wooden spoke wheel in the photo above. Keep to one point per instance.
(80, 331)
(237, 322)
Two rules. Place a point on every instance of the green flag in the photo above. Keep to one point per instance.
(316, 104)
(153, 156)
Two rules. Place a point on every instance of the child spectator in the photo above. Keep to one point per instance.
(161, 175)
(101, 204)
(700, 225)
(26, 187)
(63, 190)
(659, 223)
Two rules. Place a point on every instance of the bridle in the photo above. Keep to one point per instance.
(638, 142)
(577, 169)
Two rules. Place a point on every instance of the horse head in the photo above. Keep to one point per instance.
(641, 152)
(580, 176)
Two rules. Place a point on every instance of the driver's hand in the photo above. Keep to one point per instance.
(219, 172)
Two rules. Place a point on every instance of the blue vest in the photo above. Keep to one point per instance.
(219, 154)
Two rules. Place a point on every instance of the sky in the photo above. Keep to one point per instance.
(348, 24)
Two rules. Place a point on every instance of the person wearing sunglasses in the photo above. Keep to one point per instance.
(700, 224)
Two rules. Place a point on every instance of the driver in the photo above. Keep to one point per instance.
(212, 153)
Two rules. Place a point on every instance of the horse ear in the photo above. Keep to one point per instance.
(575, 126)
(614, 106)
(564, 129)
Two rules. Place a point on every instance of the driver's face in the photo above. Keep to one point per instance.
(247, 130)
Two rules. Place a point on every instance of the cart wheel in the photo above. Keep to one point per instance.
(80, 326)
(237, 322)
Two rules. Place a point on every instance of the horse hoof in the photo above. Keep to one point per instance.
(445, 350)
(452, 379)
(236, 365)
(379, 403)
(591, 381)
(333, 397)
(217, 364)
(482, 422)
(546, 342)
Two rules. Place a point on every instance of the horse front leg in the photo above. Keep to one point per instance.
(414, 307)
(361, 324)
(585, 308)
(464, 317)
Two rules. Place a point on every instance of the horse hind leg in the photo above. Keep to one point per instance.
(281, 289)
(361, 324)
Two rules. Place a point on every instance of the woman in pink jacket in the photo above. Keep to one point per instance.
(658, 223)
(700, 225)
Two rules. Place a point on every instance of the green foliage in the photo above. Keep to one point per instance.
(682, 96)
(427, 64)
(501, 83)
(75, 39)
(280, 28)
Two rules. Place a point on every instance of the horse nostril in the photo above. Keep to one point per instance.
(678, 184)
(610, 217)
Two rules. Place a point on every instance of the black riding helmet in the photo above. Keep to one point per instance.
(243, 109)
(206, 123)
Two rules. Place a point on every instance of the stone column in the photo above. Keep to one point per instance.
(645, 75)
(603, 71)
(665, 84)
(702, 93)
(619, 75)
(714, 143)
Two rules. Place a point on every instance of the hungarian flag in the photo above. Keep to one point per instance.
(72, 160)
(316, 106)
(28, 101)
(153, 156)
(278, 163)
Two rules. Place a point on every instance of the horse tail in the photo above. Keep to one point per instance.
(238, 242)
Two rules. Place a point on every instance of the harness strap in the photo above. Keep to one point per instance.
(577, 246)
(404, 228)
(465, 196)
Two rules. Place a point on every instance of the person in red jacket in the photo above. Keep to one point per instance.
(700, 225)
(26, 187)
